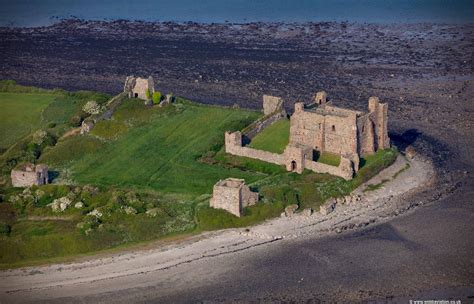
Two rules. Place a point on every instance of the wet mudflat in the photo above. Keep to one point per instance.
(424, 71)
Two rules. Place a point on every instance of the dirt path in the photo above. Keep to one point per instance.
(59, 280)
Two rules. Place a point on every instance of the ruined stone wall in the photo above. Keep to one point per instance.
(365, 135)
(24, 179)
(266, 156)
(141, 85)
(307, 128)
(259, 125)
(227, 198)
(379, 115)
(233, 145)
(249, 198)
(272, 104)
(300, 155)
(296, 156)
(331, 133)
(340, 134)
(344, 170)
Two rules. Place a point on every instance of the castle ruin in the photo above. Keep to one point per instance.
(136, 87)
(232, 195)
(320, 127)
(28, 175)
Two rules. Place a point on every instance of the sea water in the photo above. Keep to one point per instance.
(46, 12)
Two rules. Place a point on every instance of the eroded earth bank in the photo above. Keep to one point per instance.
(423, 71)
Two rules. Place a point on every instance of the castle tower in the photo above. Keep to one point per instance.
(320, 98)
(379, 116)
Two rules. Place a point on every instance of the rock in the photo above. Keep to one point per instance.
(79, 205)
(410, 152)
(290, 210)
(60, 204)
(148, 103)
(39, 193)
(307, 212)
(96, 213)
(327, 207)
(152, 212)
(283, 214)
(130, 210)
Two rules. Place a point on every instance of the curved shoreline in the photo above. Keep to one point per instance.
(375, 207)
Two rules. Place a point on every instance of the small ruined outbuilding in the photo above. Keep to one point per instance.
(28, 175)
(232, 195)
(136, 87)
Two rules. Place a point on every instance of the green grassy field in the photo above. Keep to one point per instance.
(20, 115)
(159, 154)
(274, 138)
(163, 160)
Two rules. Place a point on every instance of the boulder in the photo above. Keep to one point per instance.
(153, 212)
(327, 207)
(307, 212)
(130, 210)
(290, 210)
(79, 205)
(410, 152)
(60, 204)
(96, 213)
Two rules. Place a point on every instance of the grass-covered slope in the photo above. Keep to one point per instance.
(149, 172)
(20, 115)
(156, 149)
(274, 138)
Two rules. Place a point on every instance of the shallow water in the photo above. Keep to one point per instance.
(45, 12)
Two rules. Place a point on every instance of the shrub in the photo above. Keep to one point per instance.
(148, 94)
(91, 107)
(156, 97)
(75, 121)
(5, 229)
(39, 137)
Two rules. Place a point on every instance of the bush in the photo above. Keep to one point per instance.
(75, 121)
(156, 97)
(148, 94)
(5, 229)
(91, 107)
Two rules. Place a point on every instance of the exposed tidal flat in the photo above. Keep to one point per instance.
(424, 72)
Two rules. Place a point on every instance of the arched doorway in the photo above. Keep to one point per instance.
(293, 165)
(136, 95)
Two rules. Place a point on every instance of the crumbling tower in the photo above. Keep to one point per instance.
(378, 114)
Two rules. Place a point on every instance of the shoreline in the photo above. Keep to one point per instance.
(98, 21)
(374, 208)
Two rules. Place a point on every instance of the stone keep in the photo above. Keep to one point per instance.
(136, 87)
(232, 195)
(341, 131)
(28, 175)
(272, 104)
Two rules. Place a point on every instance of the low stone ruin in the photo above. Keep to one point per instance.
(169, 98)
(28, 175)
(232, 195)
(86, 126)
(272, 104)
(136, 87)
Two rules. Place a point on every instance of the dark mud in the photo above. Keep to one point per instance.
(424, 71)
